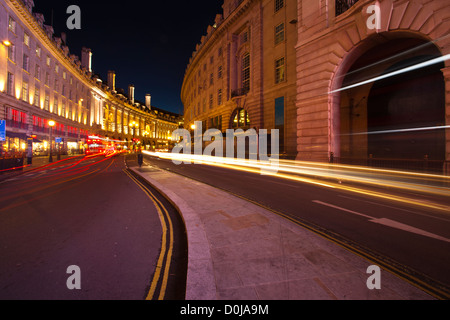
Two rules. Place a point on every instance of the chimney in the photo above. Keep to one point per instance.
(112, 80)
(131, 93)
(148, 101)
(86, 59)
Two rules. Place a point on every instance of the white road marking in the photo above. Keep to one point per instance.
(388, 222)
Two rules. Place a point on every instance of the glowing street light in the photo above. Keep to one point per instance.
(7, 43)
(51, 124)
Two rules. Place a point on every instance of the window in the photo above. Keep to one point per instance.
(211, 101)
(37, 72)
(219, 72)
(220, 52)
(57, 68)
(279, 4)
(211, 79)
(246, 72)
(279, 33)
(63, 109)
(37, 97)
(26, 63)
(280, 120)
(38, 51)
(10, 84)
(64, 75)
(55, 106)
(211, 60)
(12, 25)
(241, 119)
(47, 79)
(48, 61)
(47, 103)
(26, 39)
(219, 97)
(244, 37)
(12, 52)
(56, 85)
(279, 71)
(25, 91)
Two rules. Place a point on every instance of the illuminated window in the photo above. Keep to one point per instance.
(279, 71)
(279, 33)
(25, 91)
(38, 51)
(37, 97)
(47, 103)
(241, 119)
(279, 4)
(48, 61)
(26, 39)
(12, 25)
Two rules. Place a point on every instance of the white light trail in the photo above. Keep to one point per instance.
(392, 74)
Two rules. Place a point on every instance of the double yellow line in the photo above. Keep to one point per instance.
(165, 257)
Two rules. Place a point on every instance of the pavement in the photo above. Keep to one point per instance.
(241, 251)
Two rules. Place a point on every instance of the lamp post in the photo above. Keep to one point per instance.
(134, 125)
(51, 124)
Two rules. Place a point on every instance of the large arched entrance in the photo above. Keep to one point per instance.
(394, 119)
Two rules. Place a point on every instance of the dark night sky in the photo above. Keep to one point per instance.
(147, 43)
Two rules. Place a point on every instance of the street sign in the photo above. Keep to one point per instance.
(2, 130)
(58, 140)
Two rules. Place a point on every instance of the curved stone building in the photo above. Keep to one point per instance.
(243, 72)
(40, 80)
(373, 81)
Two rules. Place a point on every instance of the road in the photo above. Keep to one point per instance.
(88, 212)
(413, 241)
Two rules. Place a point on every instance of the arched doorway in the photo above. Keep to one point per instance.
(240, 119)
(394, 117)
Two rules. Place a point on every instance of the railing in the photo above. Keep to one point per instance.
(343, 5)
(239, 92)
(16, 124)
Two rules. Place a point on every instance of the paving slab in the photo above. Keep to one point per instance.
(241, 251)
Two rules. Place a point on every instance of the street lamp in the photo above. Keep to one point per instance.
(6, 43)
(51, 124)
(134, 125)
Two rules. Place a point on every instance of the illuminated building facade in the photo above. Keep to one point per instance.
(40, 80)
(374, 85)
(242, 74)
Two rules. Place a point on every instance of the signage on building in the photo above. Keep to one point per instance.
(58, 140)
(2, 130)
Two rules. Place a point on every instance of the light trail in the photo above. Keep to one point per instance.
(395, 73)
(333, 176)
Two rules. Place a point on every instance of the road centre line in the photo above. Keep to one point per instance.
(396, 208)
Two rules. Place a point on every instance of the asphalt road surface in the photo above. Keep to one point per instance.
(87, 212)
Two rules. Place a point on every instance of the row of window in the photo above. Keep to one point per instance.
(24, 95)
(19, 117)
